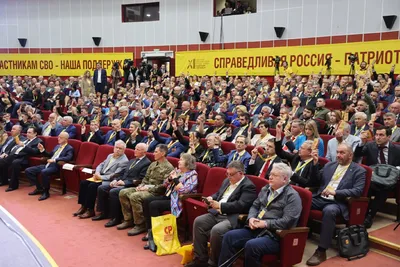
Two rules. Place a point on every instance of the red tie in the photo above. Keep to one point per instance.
(382, 155)
(264, 171)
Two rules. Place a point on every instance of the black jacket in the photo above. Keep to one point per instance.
(136, 173)
(254, 169)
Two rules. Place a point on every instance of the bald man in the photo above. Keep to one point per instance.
(62, 152)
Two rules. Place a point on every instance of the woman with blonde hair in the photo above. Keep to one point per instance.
(334, 121)
(87, 84)
(311, 133)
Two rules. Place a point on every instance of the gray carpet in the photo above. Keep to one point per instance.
(16, 248)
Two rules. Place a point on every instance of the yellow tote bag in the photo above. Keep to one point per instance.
(165, 234)
(187, 253)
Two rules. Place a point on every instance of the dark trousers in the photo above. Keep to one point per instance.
(330, 209)
(254, 248)
(16, 167)
(108, 201)
(33, 172)
(380, 196)
(155, 206)
(4, 164)
(209, 227)
(99, 87)
(88, 193)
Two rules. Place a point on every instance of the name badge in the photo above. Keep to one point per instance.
(261, 214)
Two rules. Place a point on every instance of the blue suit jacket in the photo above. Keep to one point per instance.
(71, 130)
(245, 159)
(175, 150)
(119, 136)
(127, 122)
(67, 154)
(152, 146)
(103, 76)
(351, 185)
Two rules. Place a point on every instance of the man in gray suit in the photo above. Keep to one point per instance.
(389, 119)
(342, 135)
(108, 170)
(46, 128)
(278, 207)
(339, 180)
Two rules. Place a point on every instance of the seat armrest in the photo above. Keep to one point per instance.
(191, 195)
(44, 159)
(83, 166)
(243, 217)
(357, 199)
(61, 163)
(283, 233)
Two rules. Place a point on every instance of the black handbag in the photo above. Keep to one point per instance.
(384, 175)
(353, 242)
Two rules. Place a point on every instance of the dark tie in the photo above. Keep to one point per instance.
(381, 154)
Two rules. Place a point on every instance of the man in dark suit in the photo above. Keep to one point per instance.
(66, 126)
(304, 167)
(114, 134)
(19, 157)
(261, 165)
(125, 118)
(175, 148)
(150, 141)
(186, 111)
(108, 195)
(382, 151)
(339, 180)
(256, 108)
(94, 135)
(360, 124)
(242, 130)
(234, 197)
(6, 150)
(62, 152)
(100, 79)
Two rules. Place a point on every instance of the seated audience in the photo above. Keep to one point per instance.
(261, 165)
(262, 138)
(94, 135)
(134, 138)
(311, 134)
(341, 135)
(66, 126)
(114, 134)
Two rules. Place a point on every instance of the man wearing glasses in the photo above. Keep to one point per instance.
(234, 197)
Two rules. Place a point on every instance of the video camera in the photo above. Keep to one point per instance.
(277, 60)
(128, 62)
(352, 58)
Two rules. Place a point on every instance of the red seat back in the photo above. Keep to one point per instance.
(333, 104)
(322, 161)
(102, 152)
(130, 153)
(249, 148)
(326, 138)
(126, 131)
(88, 152)
(51, 143)
(46, 114)
(76, 144)
(227, 147)
(173, 161)
(368, 177)
(202, 171)
(78, 130)
(306, 198)
(258, 182)
(214, 180)
(105, 129)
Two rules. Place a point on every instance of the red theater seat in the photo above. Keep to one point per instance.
(102, 152)
(78, 131)
(333, 104)
(326, 138)
(227, 147)
(173, 161)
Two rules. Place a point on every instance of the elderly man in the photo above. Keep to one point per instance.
(152, 184)
(114, 134)
(106, 173)
(66, 126)
(125, 118)
(278, 207)
(360, 124)
(6, 151)
(46, 128)
(265, 115)
(342, 135)
(62, 152)
(234, 197)
(18, 158)
(108, 194)
(219, 127)
(339, 180)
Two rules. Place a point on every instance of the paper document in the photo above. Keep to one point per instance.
(87, 170)
(68, 167)
(93, 180)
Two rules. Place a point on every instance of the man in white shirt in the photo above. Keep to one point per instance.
(235, 196)
(341, 135)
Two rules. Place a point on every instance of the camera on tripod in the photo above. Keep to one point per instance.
(328, 62)
(128, 62)
(277, 60)
(352, 58)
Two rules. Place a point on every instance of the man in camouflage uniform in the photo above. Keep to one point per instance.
(152, 184)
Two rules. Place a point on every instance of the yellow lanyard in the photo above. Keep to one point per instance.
(80, 120)
(112, 136)
(270, 198)
(339, 174)
(172, 143)
(161, 125)
(299, 168)
(217, 130)
(266, 159)
(359, 131)
(394, 129)
(90, 136)
(205, 155)
(58, 151)
(127, 140)
(64, 130)
(123, 120)
(236, 156)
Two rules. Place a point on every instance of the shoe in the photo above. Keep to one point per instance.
(196, 263)
(99, 217)
(81, 211)
(138, 229)
(88, 214)
(146, 247)
(317, 258)
(368, 222)
(44, 196)
(10, 189)
(112, 222)
(35, 192)
(125, 225)
(145, 238)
